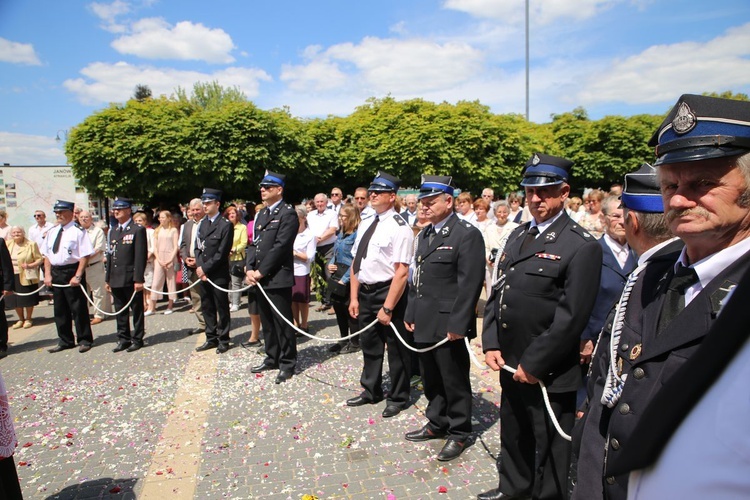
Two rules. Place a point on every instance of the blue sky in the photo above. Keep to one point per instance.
(60, 61)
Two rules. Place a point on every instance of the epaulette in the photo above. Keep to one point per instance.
(580, 231)
(399, 220)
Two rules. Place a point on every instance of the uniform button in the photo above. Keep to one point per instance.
(609, 326)
(505, 306)
(507, 287)
(505, 325)
(615, 444)
(512, 268)
(610, 480)
(624, 347)
(541, 269)
(624, 409)
(638, 373)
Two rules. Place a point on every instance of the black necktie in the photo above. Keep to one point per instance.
(363, 244)
(674, 299)
(430, 234)
(530, 236)
(56, 244)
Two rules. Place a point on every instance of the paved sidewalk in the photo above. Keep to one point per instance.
(167, 422)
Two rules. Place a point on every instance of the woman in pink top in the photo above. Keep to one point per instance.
(167, 246)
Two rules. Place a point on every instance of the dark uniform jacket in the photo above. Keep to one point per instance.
(651, 360)
(548, 293)
(590, 433)
(6, 266)
(213, 247)
(128, 251)
(272, 251)
(447, 282)
(611, 283)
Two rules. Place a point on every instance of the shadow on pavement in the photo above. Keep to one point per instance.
(100, 488)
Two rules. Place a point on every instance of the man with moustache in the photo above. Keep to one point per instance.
(442, 303)
(66, 251)
(215, 235)
(270, 263)
(533, 321)
(703, 162)
(188, 242)
(126, 264)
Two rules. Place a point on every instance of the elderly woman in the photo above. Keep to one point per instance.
(304, 253)
(594, 220)
(27, 260)
(236, 256)
(495, 237)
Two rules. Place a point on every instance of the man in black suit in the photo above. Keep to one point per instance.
(270, 263)
(215, 235)
(442, 303)
(533, 321)
(647, 233)
(703, 162)
(187, 252)
(128, 251)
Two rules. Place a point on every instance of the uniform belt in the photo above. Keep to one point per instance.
(66, 266)
(375, 286)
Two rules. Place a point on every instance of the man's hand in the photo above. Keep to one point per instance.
(107, 287)
(253, 277)
(454, 336)
(74, 281)
(587, 349)
(190, 261)
(409, 326)
(354, 308)
(383, 317)
(200, 273)
(494, 359)
(138, 287)
(47, 280)
(7, 292)
(523, 377)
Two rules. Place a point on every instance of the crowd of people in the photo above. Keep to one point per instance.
(612, 301)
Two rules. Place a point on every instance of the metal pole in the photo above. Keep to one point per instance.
(527, 60)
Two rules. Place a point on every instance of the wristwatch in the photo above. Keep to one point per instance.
(387, 311)
(78, 278)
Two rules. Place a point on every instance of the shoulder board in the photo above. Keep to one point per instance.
(399, 220)
(288, 207)
(582, 232)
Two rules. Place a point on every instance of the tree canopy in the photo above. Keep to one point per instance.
(166, 149)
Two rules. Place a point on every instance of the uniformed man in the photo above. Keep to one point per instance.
(270, 263)
(382, 253)
(8, 285)
(703, 162)
(66, 251)
(442, 303)
(126, 264)
(648, 234)
(215, 235)
(533, 321)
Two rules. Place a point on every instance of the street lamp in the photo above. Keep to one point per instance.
(64, 133)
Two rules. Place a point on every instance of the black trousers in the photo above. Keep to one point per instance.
(534, 459)
(70, 307)
(10, 489)
(323, 256)
(3, 330)
(280, 340)
(120, 297)
(215, 307)
(373, 342)
(447, 387)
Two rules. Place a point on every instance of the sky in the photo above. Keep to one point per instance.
(61, 61)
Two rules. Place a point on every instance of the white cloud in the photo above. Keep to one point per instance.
(386, 66)
(154, 38)
(662, 72)
(108, 13)
(24, 149)
(18, 53)
(105, 82)
(542, 11)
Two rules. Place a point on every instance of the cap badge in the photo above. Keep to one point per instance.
(535, 160)
(550, 236)
(685, 119)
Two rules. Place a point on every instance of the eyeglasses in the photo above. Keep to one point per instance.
(335, 194)
(38, 216)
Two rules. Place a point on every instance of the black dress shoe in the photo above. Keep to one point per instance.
(496, 494)
(336, 348)
(360, 401)
(262, 368)
(249, 344)
(424, 434)
(391, 411)
(207, 346)
(121, 346)
(84, 348)
(59, 348)
(350, 348)
(222, 348)
(134, 347)
(451, 449)
(284, 375)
